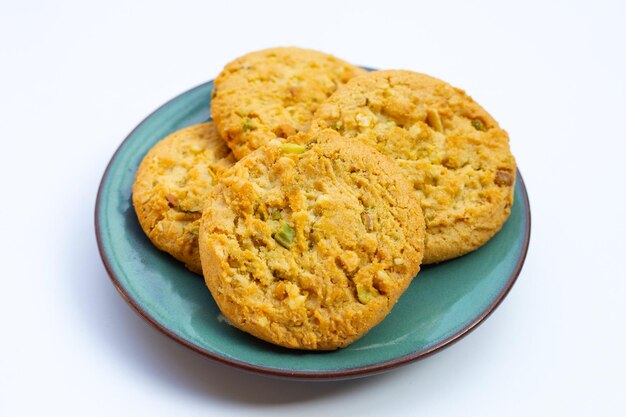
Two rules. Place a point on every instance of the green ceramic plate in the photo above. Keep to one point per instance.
(442, 305)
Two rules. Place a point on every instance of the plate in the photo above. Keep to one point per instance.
(444, 303)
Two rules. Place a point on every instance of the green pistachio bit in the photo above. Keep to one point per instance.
(479, 125)
(193, 232)
(262, 210)
(433, 120)
(246, 126)
(367, 221)
(292, 148)
(275, 215)
(285, 236)
(364, 294)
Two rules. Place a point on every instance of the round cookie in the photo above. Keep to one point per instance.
(309, 247)
(448, 146)
(273, 93)
(171, 185)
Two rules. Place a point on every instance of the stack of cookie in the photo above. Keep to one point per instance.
(313, 198)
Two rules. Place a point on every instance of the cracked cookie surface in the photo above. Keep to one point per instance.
(453, 152)
(273, 93)
(171, 185)
(310, 246)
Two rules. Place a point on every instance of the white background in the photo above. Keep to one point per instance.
(76, 78)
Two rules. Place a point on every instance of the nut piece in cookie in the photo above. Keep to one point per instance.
(310, 246)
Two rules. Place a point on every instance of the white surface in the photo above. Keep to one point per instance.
(76, 78)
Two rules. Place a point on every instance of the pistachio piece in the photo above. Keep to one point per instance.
(172, 200)
(285, 235)
(185, 216)
(275, 215)
(246, 126)
(433, 120)
(292, 148)
(365, 294)
(367, 221)
(479, 125)
(503, 178)
(262, 211)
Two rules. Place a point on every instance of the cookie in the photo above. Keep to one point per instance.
(454, 153)
(273, 93)
(309, 247)
(171, 186)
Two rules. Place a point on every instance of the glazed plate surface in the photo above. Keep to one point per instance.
(443, 303)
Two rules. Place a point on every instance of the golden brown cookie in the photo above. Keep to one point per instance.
(448, 146)
(171, 187)
(273, 93)
(311, 246)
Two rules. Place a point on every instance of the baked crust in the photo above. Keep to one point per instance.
(171, 186)
(311, 246)
(451, 150)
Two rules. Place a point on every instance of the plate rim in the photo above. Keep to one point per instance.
(348, 373)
